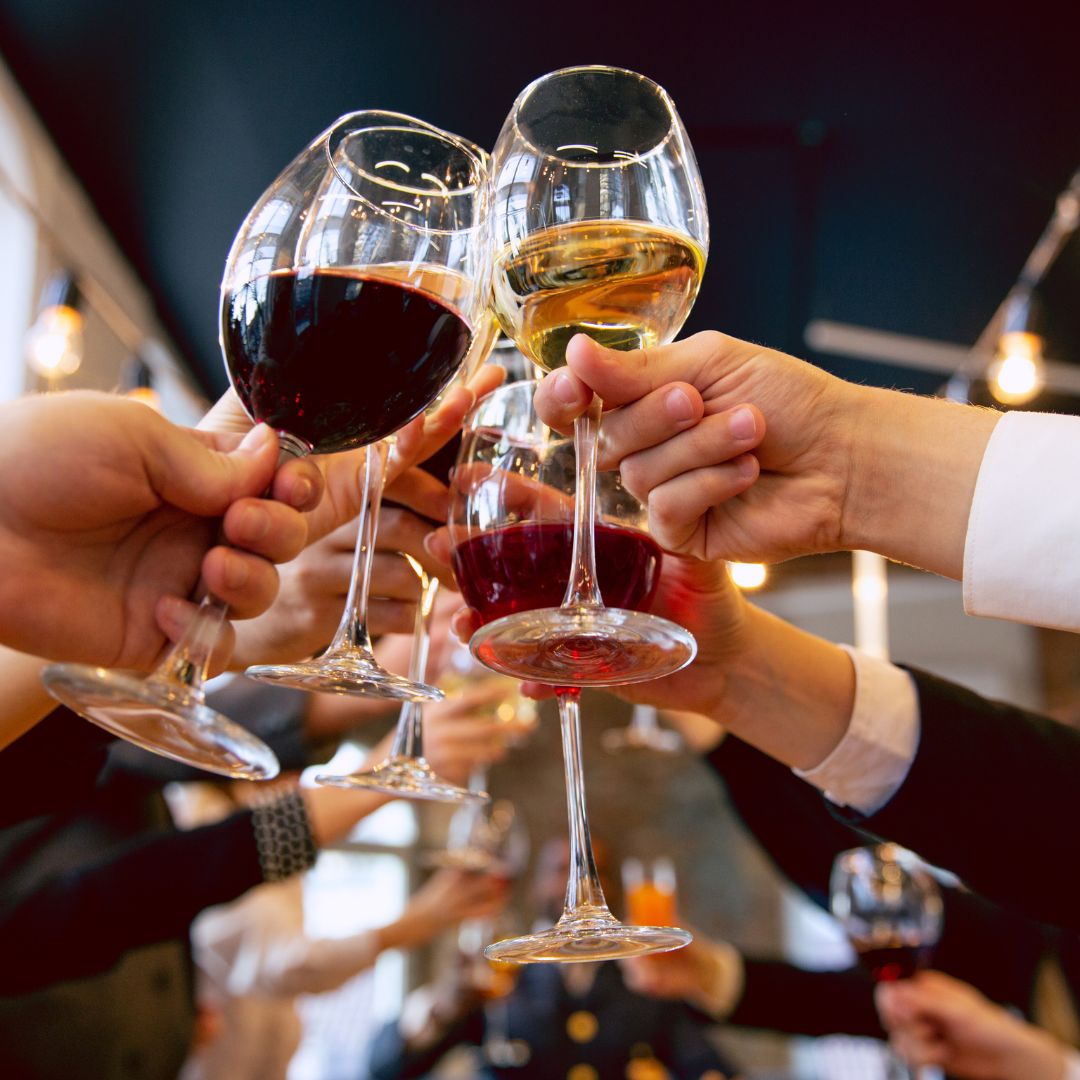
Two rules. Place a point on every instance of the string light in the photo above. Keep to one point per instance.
(748, 575)
(1016, 373)
(54, 344)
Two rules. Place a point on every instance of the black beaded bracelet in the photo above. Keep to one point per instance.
(283, 837)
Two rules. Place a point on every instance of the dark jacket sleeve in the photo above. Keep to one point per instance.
(392, 1060)
(988, 795)
(782, 997)
(687, 1052)
(52, 767)
(81, 922)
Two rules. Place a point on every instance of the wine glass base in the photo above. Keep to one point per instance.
(166, 720)
(615, 740)
(580, 940)
(407, 778)
(582, 646)
(343, 674)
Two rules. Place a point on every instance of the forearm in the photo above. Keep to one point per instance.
(25, 698)
(790, 695)
(914, 465)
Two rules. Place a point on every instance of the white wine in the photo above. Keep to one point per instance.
(626, 284)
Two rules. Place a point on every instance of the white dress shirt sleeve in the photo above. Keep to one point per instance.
(872, 760)
(1020, 554)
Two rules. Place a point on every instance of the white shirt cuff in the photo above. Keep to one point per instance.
(1020, 552)
(872, 760)
(1072, 1066)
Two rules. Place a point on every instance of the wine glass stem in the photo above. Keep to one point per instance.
(352, 632)
(643, 719)
(184, 666)
(584, 896)
(583, 589)
(478, 778)
(408, 738)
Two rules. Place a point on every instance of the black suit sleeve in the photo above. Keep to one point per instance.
(987, 796)
(391, 1059)
(81, 922)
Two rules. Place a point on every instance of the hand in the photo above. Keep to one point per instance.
(837, 466)
(447, 898)
(462, 733)
(315, 585)
(108, 515)
(934, 1019)
(706, 974)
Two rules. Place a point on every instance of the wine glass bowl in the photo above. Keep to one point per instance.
(599, 227)
(346, 313)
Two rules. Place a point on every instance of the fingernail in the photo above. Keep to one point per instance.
(679, 406)
(747, 465)
(255, 440)
(564, 389)
(743, 424)
(255, 523)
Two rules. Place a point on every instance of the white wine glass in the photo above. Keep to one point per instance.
(599, 227)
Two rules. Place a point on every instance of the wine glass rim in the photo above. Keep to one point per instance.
(391, 121)
(625, 159)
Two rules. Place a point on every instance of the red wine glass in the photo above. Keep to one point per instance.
(599, 227)
(380, 295)
(511, 530)
(890, 907)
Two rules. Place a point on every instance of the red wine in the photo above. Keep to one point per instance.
(887, 963)
(341, 358)
(526, 566)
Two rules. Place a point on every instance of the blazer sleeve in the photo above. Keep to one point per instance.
(81, 922)
(391, 1058)
(990, 796)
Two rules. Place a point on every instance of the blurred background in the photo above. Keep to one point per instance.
(876, 182)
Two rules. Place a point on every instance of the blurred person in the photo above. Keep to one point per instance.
(559, 1019)
(253, 958)
(937, 1020)
(748, 454)
(96, 904)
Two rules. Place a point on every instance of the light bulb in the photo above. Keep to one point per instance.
(54, 344)
(748, 575)
(1016, 375)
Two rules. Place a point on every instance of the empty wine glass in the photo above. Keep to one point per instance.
(511, 530)
(396, 228)
(643, 732)
(599, 227)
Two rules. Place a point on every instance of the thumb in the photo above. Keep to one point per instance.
(191, 475)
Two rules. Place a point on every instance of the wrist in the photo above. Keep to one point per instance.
(1038, 1056)
(913, 465)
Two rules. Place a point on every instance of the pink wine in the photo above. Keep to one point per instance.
(526, 566)
(339, 358)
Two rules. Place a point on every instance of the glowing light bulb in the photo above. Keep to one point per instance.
(54, 344)
(748, 575)
(1016, 375)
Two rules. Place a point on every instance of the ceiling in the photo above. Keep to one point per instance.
(890, 172)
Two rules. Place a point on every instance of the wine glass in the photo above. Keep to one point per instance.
(643, 732)
(395, 238)
(650, 891)
(599, 227)
(511, 530)
(890, 907)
